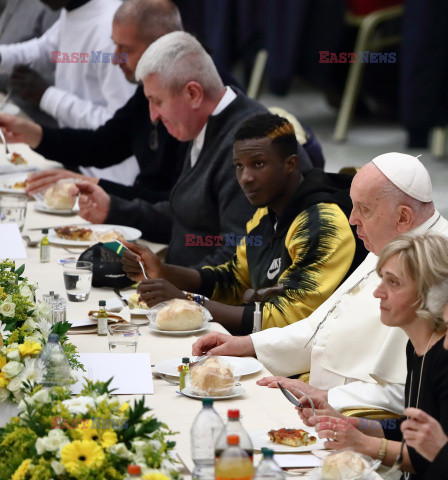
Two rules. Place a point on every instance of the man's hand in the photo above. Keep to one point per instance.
(18, 130)
(139, 253)
(221, 344)
(94, 202)
(321, 407)
(424, 433)
(293, 385)
(38, 181)
(28, 84)
(154, 291)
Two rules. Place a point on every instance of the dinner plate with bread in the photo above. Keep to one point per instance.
(13, 183)
(57, 199)
(287, 440)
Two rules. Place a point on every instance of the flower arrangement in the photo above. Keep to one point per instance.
(89, 437)
(24, 330)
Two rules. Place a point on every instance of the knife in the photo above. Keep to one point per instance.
(123, 299)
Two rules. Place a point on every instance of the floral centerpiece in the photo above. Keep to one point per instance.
(24, 330)
(89, 437)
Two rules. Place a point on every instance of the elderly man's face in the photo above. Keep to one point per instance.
(128, 48)
(174, 109)
(372, 214)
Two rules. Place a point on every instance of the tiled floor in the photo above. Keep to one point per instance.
(366, 139)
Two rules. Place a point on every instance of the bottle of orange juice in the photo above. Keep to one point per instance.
(234, 463)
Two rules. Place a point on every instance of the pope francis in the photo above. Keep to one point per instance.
(353, 359)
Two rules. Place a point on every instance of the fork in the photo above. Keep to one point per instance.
(7, 151)
(75, 208)
(6, 99)
(398, 460)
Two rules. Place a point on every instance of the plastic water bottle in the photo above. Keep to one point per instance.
(54, 369)
(234, 463)
(204, 433)
(234, 427)
(268, 468)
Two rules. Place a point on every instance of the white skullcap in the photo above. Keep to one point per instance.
(407, 173)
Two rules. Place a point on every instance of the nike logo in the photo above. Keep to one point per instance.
(274, 269)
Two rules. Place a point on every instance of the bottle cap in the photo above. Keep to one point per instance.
(267, 452)
(185, 360)
(45, 230)
(51, 293)
(53, 337)
(207, 401)
(134, 470)
(233, 414)
(102, 303)
(233, 439)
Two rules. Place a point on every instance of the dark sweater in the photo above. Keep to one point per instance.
(206, 199)
(433, 396)
(438, 469)
(126, 133)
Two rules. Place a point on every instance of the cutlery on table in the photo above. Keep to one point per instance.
(75, 208)
(122, 298)
(7, 151)
(29, 242)
(164, 377)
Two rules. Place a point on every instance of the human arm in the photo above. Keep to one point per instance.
(216, 343)
(424, 433)
(19, 130)
(39, 181)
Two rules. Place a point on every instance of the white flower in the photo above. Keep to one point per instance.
(15, 384)
(44, 326)
(121, 451)
(13, 355)
(4, 394)
(26, 292)
(30, 371)
(31, 324)
(4, 333)
(79, 404)
(8, 309)
(56, 439)
(42, 396)
(57, 467)
(42, 310)
(40, 445)
(12, 369)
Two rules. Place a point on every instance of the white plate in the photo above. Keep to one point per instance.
(42, 207)
(242, 365)
(128, 233)
(154, 328)
(7, 182)
(261, 440)
(135, 311)
(237, 391)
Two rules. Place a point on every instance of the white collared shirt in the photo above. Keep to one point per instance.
(198, 142)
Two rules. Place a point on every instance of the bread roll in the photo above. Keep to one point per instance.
(211, 378)
(343, 466)
(58, 196)
(180, 315)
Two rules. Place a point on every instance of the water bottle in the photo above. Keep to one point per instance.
(234, 463)
(53, 366)
(268, 468)
(234, 427)
(204, 433)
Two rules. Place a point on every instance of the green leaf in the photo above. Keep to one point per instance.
(20, 270)
(61, 328)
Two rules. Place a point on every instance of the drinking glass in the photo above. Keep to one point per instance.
(122, 338)
(13, 209)
(77, 280)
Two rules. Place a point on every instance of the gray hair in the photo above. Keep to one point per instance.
(153, 18)
(178, 58)
(425, 259)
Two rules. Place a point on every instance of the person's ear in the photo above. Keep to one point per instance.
(194, 94)
(405, 219)
(291, 163)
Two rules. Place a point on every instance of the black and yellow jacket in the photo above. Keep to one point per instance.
(310, 248)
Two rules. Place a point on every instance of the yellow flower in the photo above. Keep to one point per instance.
(106, 438)
(124, 407)
(3, 381)
(19, 474)
(155, 476)
(2, 362)
(29, 348)
(81, 453)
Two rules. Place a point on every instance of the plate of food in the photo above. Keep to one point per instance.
(178, 317)
(57, 199)
(13, 183)
(287, 440)
(89, 234)
(237, 392)
(242, 365)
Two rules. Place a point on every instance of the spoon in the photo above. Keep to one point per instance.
(29, 242)
(7, 151)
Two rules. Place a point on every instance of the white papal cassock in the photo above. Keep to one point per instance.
(358, 359)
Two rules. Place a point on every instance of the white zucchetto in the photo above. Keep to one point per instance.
(407, 173)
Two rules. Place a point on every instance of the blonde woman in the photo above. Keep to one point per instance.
(408, 268)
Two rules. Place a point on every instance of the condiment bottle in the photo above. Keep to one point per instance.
(184, 372)
(102, 318)
(44, 247)
(234, 463)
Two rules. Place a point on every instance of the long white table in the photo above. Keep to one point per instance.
(261, 408)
